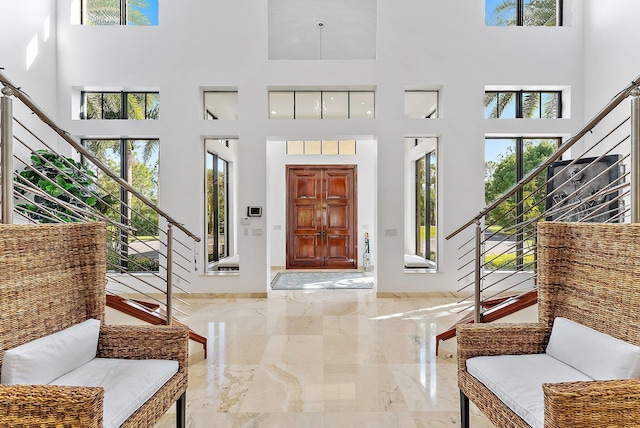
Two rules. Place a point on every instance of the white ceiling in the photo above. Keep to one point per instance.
(348, 30)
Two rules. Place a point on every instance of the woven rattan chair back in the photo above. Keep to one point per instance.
(590, 273)
(51, 277)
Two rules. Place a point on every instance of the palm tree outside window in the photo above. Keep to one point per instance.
(119, 12)
(136, 162)
(539, 13)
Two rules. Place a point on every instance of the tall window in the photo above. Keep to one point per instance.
(523, 104)
(426, 233)
(136, 162)
(523, 12)
(120, 105)
(118, 12)
(217, 208)
(321, 105)
(507, 161)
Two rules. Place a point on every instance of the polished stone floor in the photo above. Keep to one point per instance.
(323, 358)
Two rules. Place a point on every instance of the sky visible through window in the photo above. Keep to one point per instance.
(150, 11)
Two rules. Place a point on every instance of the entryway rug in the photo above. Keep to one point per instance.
(321, 280)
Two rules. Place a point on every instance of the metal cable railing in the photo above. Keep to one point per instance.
(146, 248)
(599, 182)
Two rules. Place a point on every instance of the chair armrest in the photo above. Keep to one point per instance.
(49, 405)
(593, 403)
(499, 339)
(158, 342)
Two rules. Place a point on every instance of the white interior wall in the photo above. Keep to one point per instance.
(420, 43)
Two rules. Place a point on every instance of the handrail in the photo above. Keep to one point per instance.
(81, 149)
(615, 101)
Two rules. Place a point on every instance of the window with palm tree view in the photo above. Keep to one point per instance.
(136, 162)
(507, 161)
(120, 105)
(537, 13)
(117, 12)
(523, 104)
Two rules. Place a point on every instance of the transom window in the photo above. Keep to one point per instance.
(523, 104)
(117, 12)
(323, 147)
(321, 105)
(120, 105)
(539, 13)
(220, 105)
(421, 104)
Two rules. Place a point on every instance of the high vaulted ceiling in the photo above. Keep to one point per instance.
(322, 29)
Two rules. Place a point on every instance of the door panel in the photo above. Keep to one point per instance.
(321, 217)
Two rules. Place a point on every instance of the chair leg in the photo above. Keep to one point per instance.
(181, 411)
(464, 410)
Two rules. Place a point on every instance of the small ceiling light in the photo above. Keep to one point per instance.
(369, 112)
(320, 24)
(274, 112)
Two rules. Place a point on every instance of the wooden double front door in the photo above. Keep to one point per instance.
(321, 216)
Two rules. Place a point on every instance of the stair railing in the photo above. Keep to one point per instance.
(55, 188)
(500, 257)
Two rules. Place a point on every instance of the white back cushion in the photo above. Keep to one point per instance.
(595, 354)
(48, 358)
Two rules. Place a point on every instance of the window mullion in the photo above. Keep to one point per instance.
(520, 13)
(123, 12)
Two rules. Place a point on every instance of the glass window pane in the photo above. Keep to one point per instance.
(112, 105)
(550, 102)
(152, 110)
(281, 105)
(210, 207)
(330, 147)
(93, 105)
(361, 105)
(142, 12)
(223, 248)
(347, 147)
(490, 105)
(102, 12)
(221, 105)
(421, 104)
(500, 167)
(531, 105)
(307, 105)
(312, 147)
(136, 106)
(335, 105)
(500, 12)
(295, 147)
(540, 13)
(506, 108)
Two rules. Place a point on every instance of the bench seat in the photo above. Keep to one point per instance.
(127, 383)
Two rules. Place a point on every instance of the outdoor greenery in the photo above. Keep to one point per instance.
(501, 176)
(536, 13)
(107, 12)
(507, 261)
(69, 184)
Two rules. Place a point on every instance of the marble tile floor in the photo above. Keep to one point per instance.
(323, 358)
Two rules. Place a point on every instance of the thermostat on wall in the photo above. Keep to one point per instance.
(254, 211)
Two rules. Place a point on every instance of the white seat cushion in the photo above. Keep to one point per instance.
(414, 261)
(517, 380)
(127, 383)
(45, 359)
(595, 354)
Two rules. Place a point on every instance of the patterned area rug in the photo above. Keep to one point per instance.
(321, 280)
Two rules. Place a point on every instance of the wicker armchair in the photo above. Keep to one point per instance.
(589, 273)
(53, 277)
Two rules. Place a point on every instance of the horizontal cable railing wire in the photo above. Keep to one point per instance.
(54, 188)
(593, 185)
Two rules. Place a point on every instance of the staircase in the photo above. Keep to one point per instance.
(594, 176)
(148, 250)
